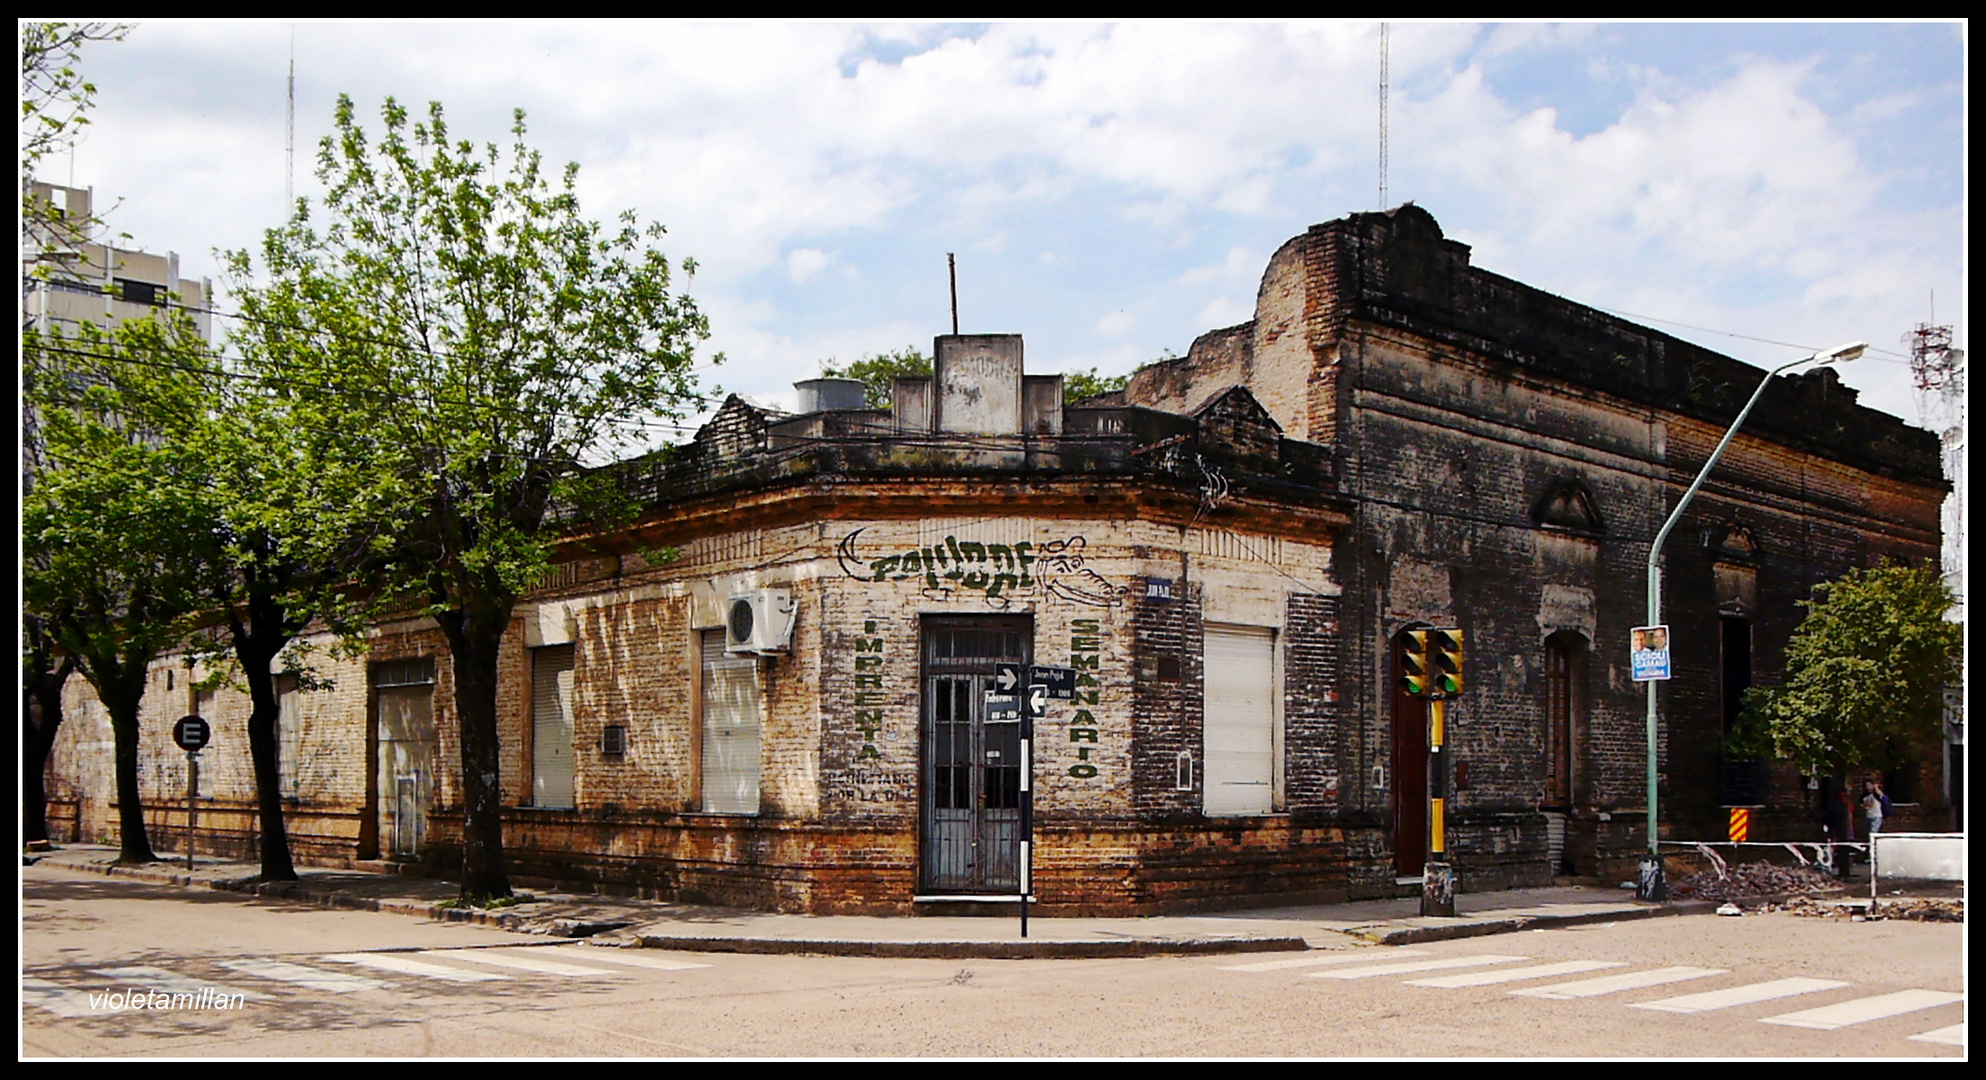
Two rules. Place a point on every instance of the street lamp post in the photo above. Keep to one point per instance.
(1651, 883)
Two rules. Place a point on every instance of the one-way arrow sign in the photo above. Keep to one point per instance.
(1006, 679)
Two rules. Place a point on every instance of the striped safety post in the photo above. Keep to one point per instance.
(1741, 823)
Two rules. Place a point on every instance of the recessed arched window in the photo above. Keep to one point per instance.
(1566, 506)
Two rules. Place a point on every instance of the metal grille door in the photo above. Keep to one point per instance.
(972, 767)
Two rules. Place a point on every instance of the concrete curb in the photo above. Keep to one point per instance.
(613, 930)
(978, 950)
(301, 891)
(1462, 928)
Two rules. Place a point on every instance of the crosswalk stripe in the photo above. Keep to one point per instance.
(59, 1000)
(1504, 975)
(624, 956)
(156, 978)
(1609, 984)
(1739, 995)
(1356, 956)
(518, 961)
(1948, 1036)
(406, 966)
(1863, 1010)
(335, 982)
(1414, 965)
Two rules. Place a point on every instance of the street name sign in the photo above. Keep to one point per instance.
(1060, 681)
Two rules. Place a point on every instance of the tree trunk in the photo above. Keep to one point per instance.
(474, 638)
(264, 742)
(121, 702)
(41, 718)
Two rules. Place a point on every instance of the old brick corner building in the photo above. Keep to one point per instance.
(1227, 553)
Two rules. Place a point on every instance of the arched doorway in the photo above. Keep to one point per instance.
(1569, 839)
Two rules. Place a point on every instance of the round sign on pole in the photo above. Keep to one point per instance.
(191, 733)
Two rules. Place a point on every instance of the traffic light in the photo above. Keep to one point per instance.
(1413, 664)
(1444, 662)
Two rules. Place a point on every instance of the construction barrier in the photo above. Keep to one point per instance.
(1825, 855)
(1920, 856)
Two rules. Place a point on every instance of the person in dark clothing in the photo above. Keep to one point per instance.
(1838, 819)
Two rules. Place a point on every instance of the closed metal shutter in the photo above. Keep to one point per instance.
(1239, 717)
(551, 726)
(730, 730)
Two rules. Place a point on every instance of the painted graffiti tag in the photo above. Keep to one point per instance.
(1085, 652)
(999, 571)
(869, 697)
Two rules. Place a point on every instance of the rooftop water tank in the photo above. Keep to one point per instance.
(821, 395)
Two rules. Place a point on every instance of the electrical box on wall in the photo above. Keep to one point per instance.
(759, 622)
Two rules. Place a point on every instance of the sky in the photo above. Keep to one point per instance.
(1111, 191)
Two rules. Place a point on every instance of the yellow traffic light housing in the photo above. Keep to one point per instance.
(1444, 662)
(1414, 664)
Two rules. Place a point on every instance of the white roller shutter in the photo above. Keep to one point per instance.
(1239, 715)
(551, 727)
(730, 730)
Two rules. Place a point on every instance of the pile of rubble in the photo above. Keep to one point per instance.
(1917, 909)
(1921, 909)
(1753, 880)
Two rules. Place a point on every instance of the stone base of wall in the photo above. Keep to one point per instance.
(830, 869)
(225, 830)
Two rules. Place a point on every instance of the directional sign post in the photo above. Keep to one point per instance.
(191, 733)
(1037, 706)
(1018, 693)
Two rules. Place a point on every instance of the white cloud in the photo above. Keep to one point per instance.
(1222, 311)
(803, 263)
(1116, 324)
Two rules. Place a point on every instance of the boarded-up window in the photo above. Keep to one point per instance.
(730, 730)
(551, 727)
(1240, 716)
(404, 784)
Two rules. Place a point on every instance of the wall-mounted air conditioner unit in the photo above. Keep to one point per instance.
(760, 621)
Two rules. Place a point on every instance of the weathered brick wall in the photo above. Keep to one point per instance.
(1311, 684)
(1464, 396)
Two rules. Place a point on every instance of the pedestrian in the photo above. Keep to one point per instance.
(1872, 807)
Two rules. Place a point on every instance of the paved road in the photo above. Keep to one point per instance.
(330, 983)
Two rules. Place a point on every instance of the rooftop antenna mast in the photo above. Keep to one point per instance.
(290, 134)
(1938, 374)
(1384, 33)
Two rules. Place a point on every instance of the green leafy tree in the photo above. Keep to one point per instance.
(55, 105)
(1865, 674)
(293, 511)
(1079, 386)
(879, 372)
(55, 102)
(55, 98)
(460, 316)
(109, 571)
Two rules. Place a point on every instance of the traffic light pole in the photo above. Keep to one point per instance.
(1437, 877)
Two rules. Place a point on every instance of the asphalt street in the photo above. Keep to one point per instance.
(326, 983)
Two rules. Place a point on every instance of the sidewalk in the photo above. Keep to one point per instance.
(685, 927)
